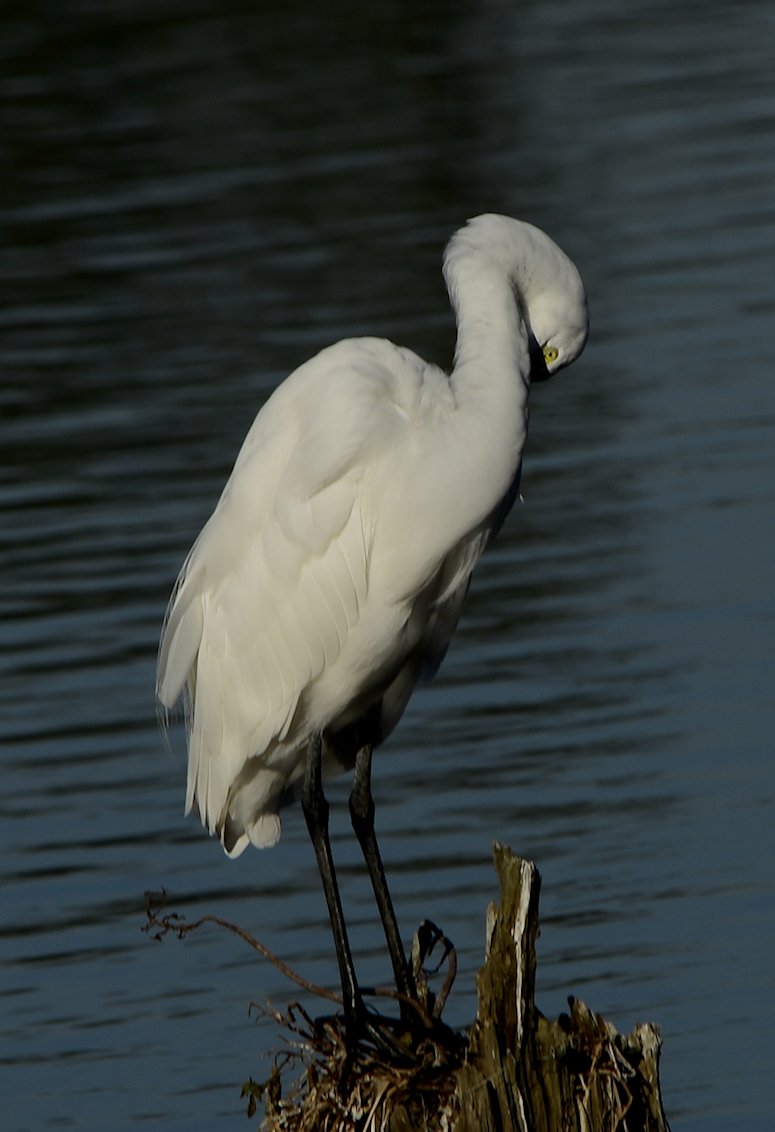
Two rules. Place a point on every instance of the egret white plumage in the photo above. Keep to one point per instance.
(332, 573)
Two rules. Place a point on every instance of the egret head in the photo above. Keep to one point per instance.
(552, 349)
(546, 284)
(554, 306)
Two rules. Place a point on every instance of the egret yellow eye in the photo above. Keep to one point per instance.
(551, 354)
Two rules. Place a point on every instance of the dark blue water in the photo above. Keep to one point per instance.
(194, 200)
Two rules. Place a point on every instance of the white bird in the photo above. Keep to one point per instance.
(332, 572)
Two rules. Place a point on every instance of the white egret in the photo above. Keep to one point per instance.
(332, 572)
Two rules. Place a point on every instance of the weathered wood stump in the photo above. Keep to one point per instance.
(526, 1073)
(513, 1071)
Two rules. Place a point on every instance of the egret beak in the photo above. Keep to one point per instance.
(538, 368)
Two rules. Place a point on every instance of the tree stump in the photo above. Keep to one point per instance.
(512, 1071)
(526, 1073)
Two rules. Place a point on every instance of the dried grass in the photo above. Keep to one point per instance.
(341, 1087)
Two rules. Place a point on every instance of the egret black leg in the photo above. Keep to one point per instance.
(315, 808)
(362, 816)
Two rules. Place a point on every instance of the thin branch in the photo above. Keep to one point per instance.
(172, 922)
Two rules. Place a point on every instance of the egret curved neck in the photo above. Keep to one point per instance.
(490, 379)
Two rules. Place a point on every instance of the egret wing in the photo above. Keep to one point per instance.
(275, 582)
